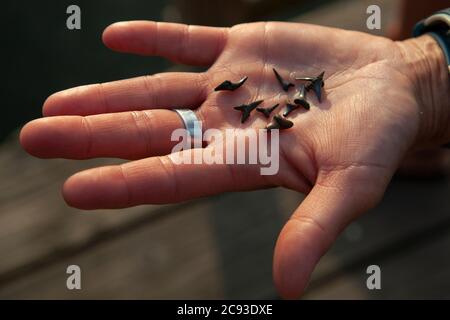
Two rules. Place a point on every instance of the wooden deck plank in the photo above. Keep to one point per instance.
(237, 256)
(35, 222)
(214, 251)
(408, 209)
(419, 272)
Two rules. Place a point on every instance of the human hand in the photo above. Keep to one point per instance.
(342, 152)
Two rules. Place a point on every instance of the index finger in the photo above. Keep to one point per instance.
(188, 44)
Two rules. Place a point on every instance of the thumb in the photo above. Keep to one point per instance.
(337, 198)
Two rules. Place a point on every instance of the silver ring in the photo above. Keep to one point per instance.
(192, 124)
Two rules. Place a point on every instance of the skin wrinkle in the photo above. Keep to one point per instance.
(201, 86)
(264, 58)
(312, 156)
(184, 44)
(422, 56)
(227, 69)
(202, 82)
(350, 66)
(157, 87)
(304, 180)
(206, 81)
(321, 182)
(144, 133)
(428, 85)
(221, 43)
(156, 41)
(402, 72)
(199, 112)
(349, 79)
(326, 238)
(302, 184)
(256, 96)
(127, 186)
(171, 176)
(408, 75)
(147, 79)
(219, 67)
(102, 97)
(87, 127)
(149, 122)
(371, 198)
(356, 61)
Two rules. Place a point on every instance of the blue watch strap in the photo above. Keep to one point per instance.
(437, 26)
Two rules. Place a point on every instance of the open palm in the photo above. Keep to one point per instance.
(342, 152)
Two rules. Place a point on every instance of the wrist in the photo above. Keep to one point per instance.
(425, 64)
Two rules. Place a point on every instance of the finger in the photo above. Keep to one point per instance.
(331, 205)
(165, 90)
(128, 135)
(156, 180)
(188, 44)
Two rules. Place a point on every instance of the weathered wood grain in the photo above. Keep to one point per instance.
(218, 250)
(211, 250)
(420, 271)
(35, 223)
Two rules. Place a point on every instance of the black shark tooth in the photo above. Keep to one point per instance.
(247, 108)
(267, 111)
(230, 86)
(289, 108)
(312, 79)
(284, 84)
(279, 123)
(300, 98)
(317, 88)
(316, 84)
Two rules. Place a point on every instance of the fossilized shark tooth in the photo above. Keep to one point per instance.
(230, 86)
(284, 83)
(316, 84)
(300, 98)
(289, 108)
(279, 122)
(247, 108)
(299, 101)
(267, 111)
